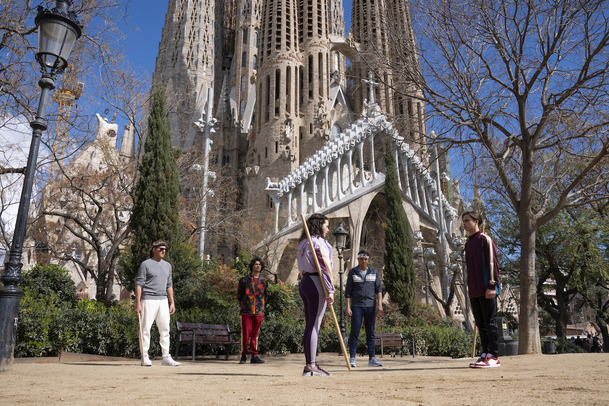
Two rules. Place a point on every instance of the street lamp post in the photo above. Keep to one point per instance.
(207, 126)
(459, 258)
(58, 30)
(440, 219)
(340, 239)
(421, 252)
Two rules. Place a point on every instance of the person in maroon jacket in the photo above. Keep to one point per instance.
(252, 295)
(483, 287)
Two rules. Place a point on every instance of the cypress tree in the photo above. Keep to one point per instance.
(399, 276)
(155, 214)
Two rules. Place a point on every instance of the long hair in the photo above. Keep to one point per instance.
(315, 224)
(253, 261)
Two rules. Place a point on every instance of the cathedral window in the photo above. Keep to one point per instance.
(288, 95)
(320, 73)
(244, 60)
(310, 77)
(267, 100)
(277, 91)
(245, 35)
(243, 82)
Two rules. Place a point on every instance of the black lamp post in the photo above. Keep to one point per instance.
(58, 31)
(458, 256)
(340, 239)
(420, 251)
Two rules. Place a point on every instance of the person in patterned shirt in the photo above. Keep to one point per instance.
(252, 295)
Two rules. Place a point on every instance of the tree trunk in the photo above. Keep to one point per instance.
(605, 334)
(561, 323)
(528, 331)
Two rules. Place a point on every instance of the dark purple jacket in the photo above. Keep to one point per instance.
(482, 265)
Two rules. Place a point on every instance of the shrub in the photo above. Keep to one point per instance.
(39, 320)
(433, 335)
(51, 282)
(48, 325)
(562, 346)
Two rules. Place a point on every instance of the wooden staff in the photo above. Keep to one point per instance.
(340, 336)
(139, 319)
(474, 344)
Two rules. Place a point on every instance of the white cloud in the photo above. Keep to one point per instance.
(15, 138)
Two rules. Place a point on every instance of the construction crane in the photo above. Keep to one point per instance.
(68, 93)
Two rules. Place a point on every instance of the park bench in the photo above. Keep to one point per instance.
(393, 340)
(198, 333)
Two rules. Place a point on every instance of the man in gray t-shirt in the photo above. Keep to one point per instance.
(154, 301)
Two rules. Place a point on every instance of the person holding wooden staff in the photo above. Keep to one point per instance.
(311, 289)
(482, 287)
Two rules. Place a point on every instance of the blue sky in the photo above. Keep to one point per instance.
(146, 19)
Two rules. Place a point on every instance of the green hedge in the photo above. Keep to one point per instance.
(50, 322)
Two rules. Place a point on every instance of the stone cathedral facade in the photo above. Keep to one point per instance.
(306, 113)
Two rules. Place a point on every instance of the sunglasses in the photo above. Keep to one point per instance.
(161, 248)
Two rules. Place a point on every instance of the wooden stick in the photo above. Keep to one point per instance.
(139, 318)
(474, 344)
(340, 336)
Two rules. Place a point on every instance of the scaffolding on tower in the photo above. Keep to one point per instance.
(68, 93)
(66, 96)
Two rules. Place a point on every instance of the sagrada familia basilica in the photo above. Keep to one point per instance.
(305, 115)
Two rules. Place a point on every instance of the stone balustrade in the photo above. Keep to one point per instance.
(345, 169)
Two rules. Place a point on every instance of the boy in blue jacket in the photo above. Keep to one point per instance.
(364, 297)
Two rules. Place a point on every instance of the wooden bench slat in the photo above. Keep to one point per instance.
(214, 334)
(391, 340)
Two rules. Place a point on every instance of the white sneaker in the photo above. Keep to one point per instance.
(146, 362)
(352, 362)
(479, 362)
(491, 362)
(169, 362)
(374, 363)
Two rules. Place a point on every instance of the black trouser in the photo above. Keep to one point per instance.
(485, 314)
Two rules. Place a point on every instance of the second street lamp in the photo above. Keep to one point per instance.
(340, 239)
(58, 30)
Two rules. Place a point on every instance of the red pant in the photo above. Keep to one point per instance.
(250, 326)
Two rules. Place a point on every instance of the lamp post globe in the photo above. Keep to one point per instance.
(58, 30)
(340, 240)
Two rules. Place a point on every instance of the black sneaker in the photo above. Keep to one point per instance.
(243, 359)
(256, 360)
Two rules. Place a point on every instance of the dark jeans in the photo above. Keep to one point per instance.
(485, 314)
(369, 316)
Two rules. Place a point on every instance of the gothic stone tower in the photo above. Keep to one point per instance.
(281, 88)
(186, 63)
(383, 29)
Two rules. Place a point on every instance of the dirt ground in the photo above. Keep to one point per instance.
(521, 380)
